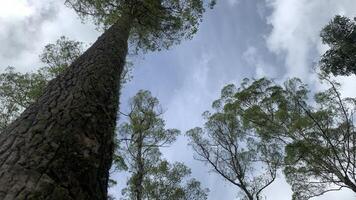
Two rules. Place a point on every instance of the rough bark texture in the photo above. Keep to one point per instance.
(61, 146)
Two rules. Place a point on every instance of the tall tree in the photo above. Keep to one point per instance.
(141, 139)
(61, 146)
(340, 35)
(319, 136)
(237, 154)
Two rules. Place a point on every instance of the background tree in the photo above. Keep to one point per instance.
(319, 136)
(340, 35)
(58, 56)
(170, 181)
(72, 123)
(141, 139)
(237, 154)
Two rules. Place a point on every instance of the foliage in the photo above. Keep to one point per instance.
(319, 137)
(340, 35)
(236, 153)
(58, 56)
(17, 91)
(164, 181)
(322, 158)
(141, 138)
(154, 24)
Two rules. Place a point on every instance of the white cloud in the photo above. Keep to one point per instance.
(26, 26)
(348, 86)
(15, 9)
(296, 25)
(20, 31)
(262, 69)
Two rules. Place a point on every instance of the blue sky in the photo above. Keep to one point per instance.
(238, 39)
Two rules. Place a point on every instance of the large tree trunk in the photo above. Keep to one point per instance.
(61, 147)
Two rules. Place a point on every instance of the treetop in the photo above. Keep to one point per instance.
(154, 24)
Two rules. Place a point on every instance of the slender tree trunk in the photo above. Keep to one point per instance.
(140, 169)
(61, 147)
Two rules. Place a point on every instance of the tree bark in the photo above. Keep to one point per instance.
(61, 146)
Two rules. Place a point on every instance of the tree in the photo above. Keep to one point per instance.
(19, 90)
(58, 56)
(237, 154)
(340, 35)
(319, 137)
(141, 139)
(62, 145)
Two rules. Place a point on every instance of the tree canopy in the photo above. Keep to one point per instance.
(153, 24)
(236, 153)
(340, 35)
(318, 136)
